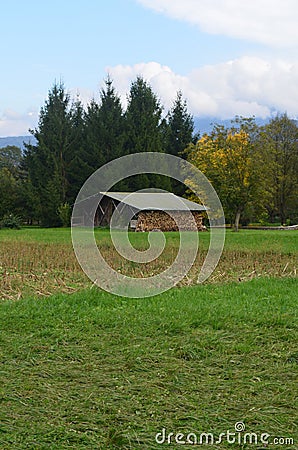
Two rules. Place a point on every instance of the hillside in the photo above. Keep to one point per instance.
(202, 125)
(18, 141)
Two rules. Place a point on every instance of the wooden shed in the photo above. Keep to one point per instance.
(149, 211)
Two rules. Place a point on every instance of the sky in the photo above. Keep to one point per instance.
(228, 57)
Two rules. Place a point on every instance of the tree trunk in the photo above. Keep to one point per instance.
(237, 219)
(282, 218)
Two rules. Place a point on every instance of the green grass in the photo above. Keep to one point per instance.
(32, 234)
(42, 261)
(95, 371)
(259, 240)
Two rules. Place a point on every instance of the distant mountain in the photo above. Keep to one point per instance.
(202, 125)
(18, 141)
(205, 125)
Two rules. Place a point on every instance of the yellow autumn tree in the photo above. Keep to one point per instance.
(229, 159)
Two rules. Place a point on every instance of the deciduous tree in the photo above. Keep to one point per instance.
(279, 141)
(228, 157)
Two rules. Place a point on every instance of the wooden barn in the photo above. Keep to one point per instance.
(149, 211)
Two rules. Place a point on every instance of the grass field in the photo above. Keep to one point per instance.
(95, 371)
(42, 261)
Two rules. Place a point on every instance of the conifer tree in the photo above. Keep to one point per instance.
(79, 166)
(104, 127)
(143, 119)
(144, 131)
(47, 160)
(180, 127)
(111, 122)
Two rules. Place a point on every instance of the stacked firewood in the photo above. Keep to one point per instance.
(160, 220)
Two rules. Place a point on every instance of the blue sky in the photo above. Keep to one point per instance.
(227, 56)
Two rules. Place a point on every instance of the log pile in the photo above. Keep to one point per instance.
(160, 220)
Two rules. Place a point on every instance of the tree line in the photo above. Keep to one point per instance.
(253, 169)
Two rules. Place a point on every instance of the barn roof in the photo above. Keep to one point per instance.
(164, 201)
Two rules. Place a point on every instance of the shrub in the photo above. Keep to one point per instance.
(64, 212)
(11, 221)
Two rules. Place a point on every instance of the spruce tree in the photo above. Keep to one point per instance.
(143, 119)
(104, 127)
(180, 127)
(47, 160)
(79, 165)
(93, 146)
(111, 123)
(144, 131)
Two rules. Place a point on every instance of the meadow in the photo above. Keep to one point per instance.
(42, 261)
(94, 371)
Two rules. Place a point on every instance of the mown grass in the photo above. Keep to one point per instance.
(283, 241)
(92, 370)
(95, 371)
(42, 261)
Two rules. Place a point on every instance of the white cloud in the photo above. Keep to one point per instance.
(82, 94)
(271, 22)
(164, 82)
(13, 123)
(245, 86)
